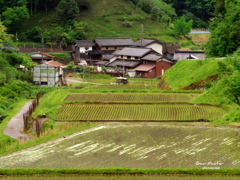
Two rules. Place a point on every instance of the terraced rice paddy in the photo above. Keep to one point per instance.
(134, 146)
(131, 97)
(159, 112)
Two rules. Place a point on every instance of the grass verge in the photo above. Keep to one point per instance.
(121, 171)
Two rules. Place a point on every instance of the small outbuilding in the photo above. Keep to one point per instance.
(185, 54)
(146, 71)
(41, 57)
(48, 74)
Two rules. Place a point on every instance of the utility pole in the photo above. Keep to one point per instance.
(142, 33)
(42, 40)
(123, 67)
(16, 37)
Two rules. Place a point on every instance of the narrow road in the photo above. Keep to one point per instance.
(77, 81)
(16, 124)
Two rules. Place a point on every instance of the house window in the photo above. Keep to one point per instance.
(115, 47)
(43, 83)
(150, 70)
(106, 47)
(136, 57)
(128, 57)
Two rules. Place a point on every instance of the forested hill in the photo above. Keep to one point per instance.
(67, 20)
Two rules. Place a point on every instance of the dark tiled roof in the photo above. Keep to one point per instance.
(144, 67)
(125, 63)
(114, 41)
(94, 52)
(151, 57)
(107, 56)
(145, 42)
(108, 51)
(102, 63)
(155, 57)
(84, 43)
(54, 63)
(131, 51)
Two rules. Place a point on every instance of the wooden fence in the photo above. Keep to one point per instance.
(49, 50)
(28, 113)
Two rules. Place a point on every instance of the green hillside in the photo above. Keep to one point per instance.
(102, 18)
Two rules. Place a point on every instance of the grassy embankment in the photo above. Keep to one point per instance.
(201, 74)
(51, 130)
(121, 171)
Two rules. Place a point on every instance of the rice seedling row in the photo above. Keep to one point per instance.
(126, 87)
(134, 146)
(130, 97)
(138, 112)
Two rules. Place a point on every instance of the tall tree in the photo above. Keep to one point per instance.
(155, 13)
(4, 37)
(14, 14)
(181, 27)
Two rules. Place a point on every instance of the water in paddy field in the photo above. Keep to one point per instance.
(117, 177)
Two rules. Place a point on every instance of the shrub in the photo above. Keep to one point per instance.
(127, 24)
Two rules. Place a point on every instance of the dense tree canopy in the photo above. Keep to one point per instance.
(199, 11)
(225, 28)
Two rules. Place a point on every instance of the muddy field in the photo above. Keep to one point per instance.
(135, 146)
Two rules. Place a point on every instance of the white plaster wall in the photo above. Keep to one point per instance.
(156, 47)
(83, 49)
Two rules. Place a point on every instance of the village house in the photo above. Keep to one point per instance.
(109, 45)
(85, 50)
(153, 65)
(49, 73)
(150, 43)
(106, 59)
(128, 58)
(93, 50)
(41, 57)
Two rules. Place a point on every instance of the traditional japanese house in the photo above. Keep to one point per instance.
(129, 57)
(85, 50)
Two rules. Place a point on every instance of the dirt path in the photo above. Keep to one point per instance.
(16, 124)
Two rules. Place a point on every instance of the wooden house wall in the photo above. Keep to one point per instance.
(161, 67)
(149, 74)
